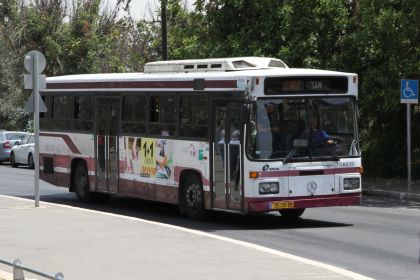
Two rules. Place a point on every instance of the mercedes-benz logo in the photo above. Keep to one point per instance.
(312, 186)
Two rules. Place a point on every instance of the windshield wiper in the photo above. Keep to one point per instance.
(331, 152)
(290, 155)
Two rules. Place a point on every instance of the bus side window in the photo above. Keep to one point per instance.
(193, 116)
(83, 113)
(45, 117)
(134, 114)
(62, 112)
(163, 112)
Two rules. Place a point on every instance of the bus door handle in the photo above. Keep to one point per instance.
(214, 165)
(227, 162)
(106, 153)
(240, 168)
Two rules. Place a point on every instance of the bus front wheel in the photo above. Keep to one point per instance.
(81, 182)
(292, 214)
(193, 197)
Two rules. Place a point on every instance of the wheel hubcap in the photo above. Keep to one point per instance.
(193, 196)
(82, 182)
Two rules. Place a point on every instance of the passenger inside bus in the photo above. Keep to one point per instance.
(234, 158)
(165, 131)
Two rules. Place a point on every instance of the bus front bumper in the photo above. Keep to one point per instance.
(274, 204)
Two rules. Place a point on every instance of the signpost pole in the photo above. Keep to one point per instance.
(34, 63)
(409, 94)
(409, 147)
(36, 125)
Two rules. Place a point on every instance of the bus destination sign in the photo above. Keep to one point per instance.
(285, 85)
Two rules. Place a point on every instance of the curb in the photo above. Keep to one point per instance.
(403, 196)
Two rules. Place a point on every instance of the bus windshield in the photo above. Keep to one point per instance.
(303, 129)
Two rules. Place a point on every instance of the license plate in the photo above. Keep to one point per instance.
(282, 204)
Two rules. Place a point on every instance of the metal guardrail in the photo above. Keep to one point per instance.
(18, 269)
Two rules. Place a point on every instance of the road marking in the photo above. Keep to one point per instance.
(260, 248)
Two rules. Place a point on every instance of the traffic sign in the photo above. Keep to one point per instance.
(30, 105)
(28, 81)
(29, 62)
(409, 91)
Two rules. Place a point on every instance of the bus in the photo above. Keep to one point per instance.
(242, 135)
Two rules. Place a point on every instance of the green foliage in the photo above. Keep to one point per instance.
(388, 37)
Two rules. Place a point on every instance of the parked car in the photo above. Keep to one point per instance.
(23, 152)
(7, 140)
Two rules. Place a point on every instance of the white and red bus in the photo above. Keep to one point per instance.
(241, 135)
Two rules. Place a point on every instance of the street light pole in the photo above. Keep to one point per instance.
(164, 30)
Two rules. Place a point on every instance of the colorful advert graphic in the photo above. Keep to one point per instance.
(163, 161)
(150, 158)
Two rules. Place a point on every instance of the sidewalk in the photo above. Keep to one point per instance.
(392, 188)
(85, 244)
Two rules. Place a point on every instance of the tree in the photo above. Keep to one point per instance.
(389, 51)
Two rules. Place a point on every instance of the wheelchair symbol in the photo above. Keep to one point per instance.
(408, 92)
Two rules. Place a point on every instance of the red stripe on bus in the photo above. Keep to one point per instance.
(63, 161)
(66, 139)
(142, 84)
(179, 169)
(294, 173)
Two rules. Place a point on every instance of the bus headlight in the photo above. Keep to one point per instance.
(351, 183)
(269, 188)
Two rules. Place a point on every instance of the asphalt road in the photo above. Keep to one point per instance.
(380, 238)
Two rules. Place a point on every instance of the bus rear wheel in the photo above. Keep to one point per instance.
(292, 214)
(192, 198)
(81, 182)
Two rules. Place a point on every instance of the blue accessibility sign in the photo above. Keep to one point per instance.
(409, 91)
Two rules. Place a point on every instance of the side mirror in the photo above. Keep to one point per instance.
(18, 142)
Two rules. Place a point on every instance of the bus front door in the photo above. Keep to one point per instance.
(227, 155)
(107, 119)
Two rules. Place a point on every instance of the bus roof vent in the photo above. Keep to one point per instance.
(213, 65)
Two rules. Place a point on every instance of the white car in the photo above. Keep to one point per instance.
(23, 153)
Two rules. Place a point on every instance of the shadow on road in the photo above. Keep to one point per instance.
(169, 214)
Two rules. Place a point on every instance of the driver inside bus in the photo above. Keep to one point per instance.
(319, 137)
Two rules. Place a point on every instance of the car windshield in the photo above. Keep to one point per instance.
(25, 139)
(303, 129)
(15, 136)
